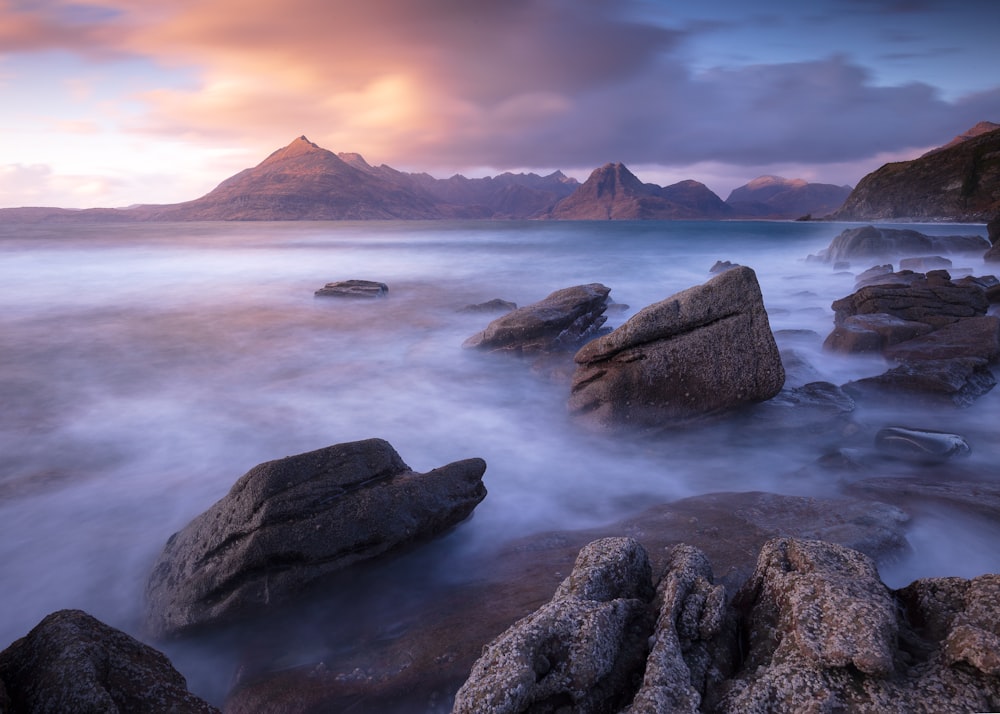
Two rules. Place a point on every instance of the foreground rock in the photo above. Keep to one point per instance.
(869, 242)
(559, 322)
(704, 350)
(290, 522)
(813, 629)
(439, 632)
(354, 289)
(72, 663)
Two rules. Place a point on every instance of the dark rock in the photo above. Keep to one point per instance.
(993, 230)
(818, 395)
(920, 444)
(561, 321)
(872, 332)
(957, 382)
(72, 663)
(977, 337)
(579, 651)
(873, 242)
(932, 298)
(354, 289)
(704, 350)
(925, 263)
(288, 523)
(874, 275)
(494, 305)
(721, 266)
(842, 265)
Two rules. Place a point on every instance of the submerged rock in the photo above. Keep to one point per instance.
(920, 444)
(704, 350)
(353, 289)
(958, 382)
(494, 305)
(72, 663)
(559, 322)
(873, 242)
(287, 523)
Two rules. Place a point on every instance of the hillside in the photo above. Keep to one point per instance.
(957, 182)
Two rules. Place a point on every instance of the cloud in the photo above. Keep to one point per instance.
(497, 83)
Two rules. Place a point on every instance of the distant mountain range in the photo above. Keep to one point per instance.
(959, 181)
(303, 181)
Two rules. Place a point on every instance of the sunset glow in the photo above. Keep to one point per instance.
(118, 102)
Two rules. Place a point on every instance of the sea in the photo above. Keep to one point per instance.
(145, 367)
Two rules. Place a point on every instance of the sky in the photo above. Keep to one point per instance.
(119, 102)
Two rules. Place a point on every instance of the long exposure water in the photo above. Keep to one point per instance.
(144, 368)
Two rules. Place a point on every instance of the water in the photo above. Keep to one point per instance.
(144, 368)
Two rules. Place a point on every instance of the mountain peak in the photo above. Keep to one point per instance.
(983, 127)
(299, 147)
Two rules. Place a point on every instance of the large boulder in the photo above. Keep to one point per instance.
(870, 242)
(559, 322)
(288, 523)
(704, 350)
(72, 663)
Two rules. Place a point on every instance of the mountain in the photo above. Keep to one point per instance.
(983, 127)
(778, 197)
(612, 192)
(957, 182)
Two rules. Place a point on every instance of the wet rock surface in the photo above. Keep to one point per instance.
(364, 289)
(562, 321)
(705, 350)
(920, 444)
(72, 663)
(290, 522)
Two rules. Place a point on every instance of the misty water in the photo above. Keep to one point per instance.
(144, 368)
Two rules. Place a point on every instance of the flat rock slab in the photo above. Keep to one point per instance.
(288, 523)
(364, 289)
(873, 242)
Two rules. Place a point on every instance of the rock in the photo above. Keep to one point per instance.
(975, 497)
(427, 659)
(925, 263)
(872, 242)
(932, 298)
(354, 289)
(874, 275)
(494, 305)
(288, 523)
(993, 230)
(957, 382)
(977, 337)
(561, 321)
(688, 655)
(704, 350)
(824, 634)
(722, 266)
(872, 332)
(578, 652)
(72, 663)
(920, 444)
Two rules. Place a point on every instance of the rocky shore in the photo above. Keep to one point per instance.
(725, 602)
